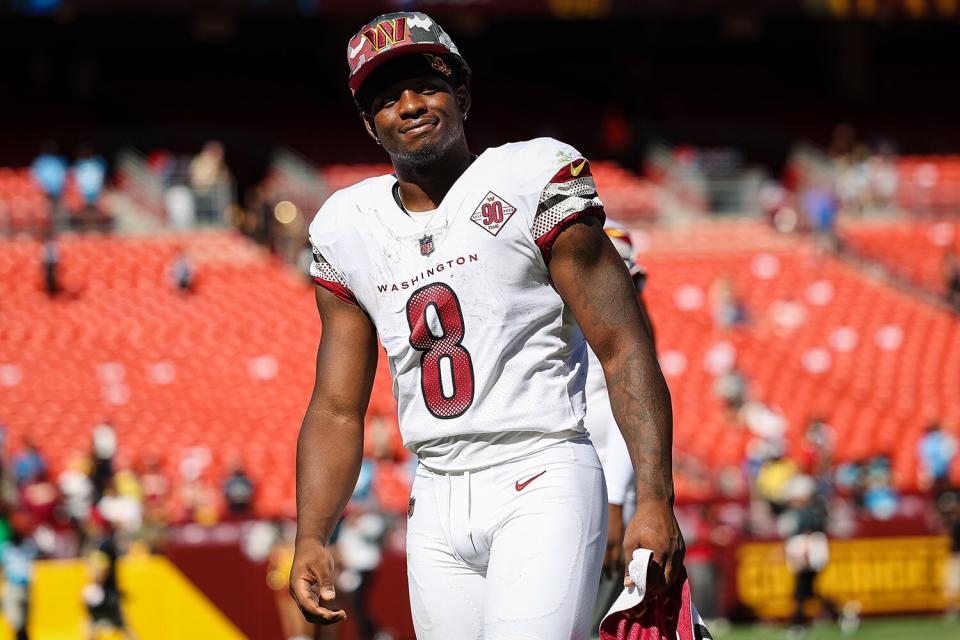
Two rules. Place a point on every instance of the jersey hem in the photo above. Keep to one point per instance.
(544, 442)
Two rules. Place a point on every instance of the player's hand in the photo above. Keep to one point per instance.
(613, 558)
(311, 582)
(655, 527)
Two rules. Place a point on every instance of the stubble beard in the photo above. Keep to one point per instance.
(430, 153)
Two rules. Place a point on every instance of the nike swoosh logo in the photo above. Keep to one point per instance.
(575, 171)
(520, 486)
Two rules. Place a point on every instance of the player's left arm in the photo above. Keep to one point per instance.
(591, 278)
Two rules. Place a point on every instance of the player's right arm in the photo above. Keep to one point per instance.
(330, 448)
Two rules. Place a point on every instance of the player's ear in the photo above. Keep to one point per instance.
(370, 126)
(463, 99)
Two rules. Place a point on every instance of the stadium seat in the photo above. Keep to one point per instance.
(912, 250)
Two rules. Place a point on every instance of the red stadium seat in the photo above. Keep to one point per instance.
(913, 250)
(230, 367)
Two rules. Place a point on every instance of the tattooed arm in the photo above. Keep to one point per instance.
(593, 281)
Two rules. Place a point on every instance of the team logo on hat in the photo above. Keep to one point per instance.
(386, 33)
(438, 64)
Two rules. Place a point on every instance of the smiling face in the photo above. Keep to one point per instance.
(418, 119)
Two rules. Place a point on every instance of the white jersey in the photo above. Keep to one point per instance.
(481, 347)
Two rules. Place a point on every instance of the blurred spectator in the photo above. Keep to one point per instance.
(852, 180)
(774, 202)
(879, 497)
(89, 171)
(39, 500)
(816, 456)
(935, 453)
(774, 478)
(198, 502)
(258, 220)
(728, 309)
(155, 488)
(207, 168)
(951, 276)
(51, 264)
(17, 557)
(29, 463)
(77, 490)
(807, 549)
(182, 272)
(238, 492)
(758, 452)
(731, 388)
(6, 529)
(180, 206)
(49, 169)
(816, 448)
(161, 163)
(860, 471)
(104, 450)
(209, 178)
(883, 175)
(197, 497)
(153, 481)
(102, 595)
(122, 505)
(359, 544)
(821, 207)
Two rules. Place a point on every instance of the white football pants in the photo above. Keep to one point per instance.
(508, 552)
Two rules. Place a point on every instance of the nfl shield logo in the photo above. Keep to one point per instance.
(426, 245)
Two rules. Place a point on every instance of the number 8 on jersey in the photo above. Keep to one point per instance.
(436, 330)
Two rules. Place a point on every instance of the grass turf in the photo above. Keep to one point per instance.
(930, 628)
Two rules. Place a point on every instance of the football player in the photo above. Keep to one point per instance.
(484, 277)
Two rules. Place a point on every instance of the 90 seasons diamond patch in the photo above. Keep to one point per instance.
(493, 213)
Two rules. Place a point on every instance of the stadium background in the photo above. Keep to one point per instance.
(791, 174)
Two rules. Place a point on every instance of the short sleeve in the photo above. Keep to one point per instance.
(570, 195)
(326, 276)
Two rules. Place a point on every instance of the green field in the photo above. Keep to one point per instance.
(932, 628)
